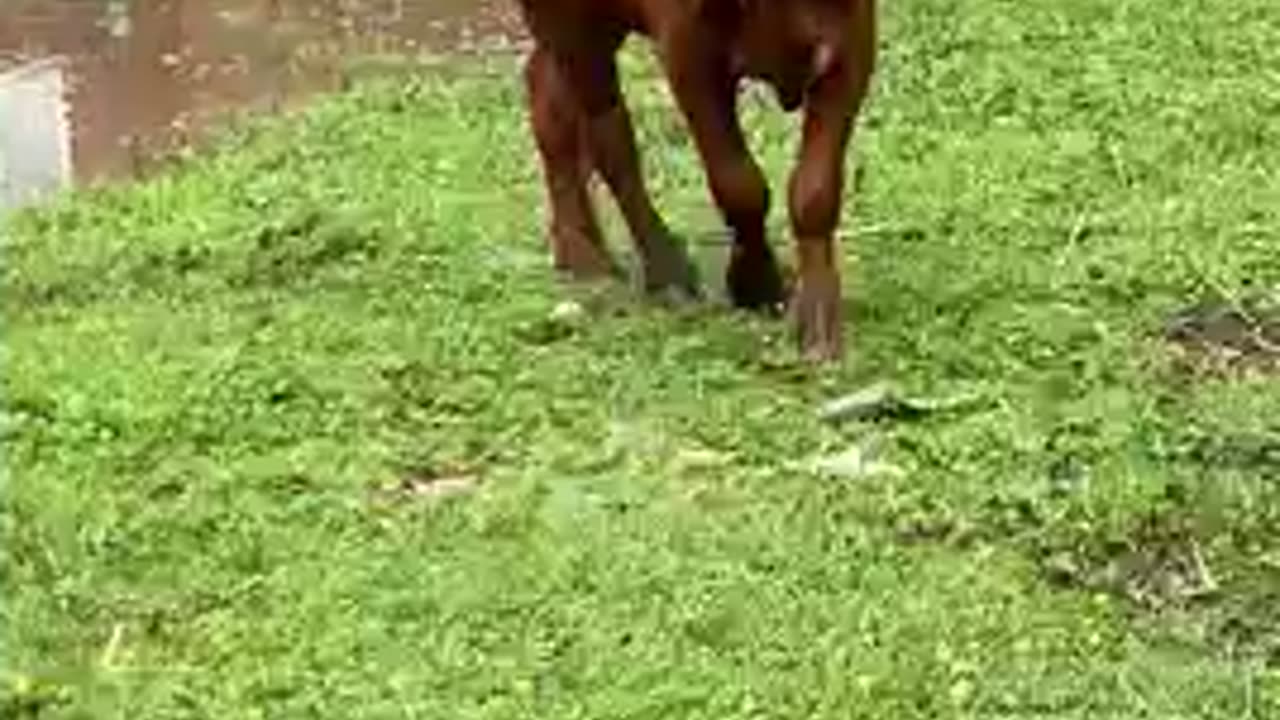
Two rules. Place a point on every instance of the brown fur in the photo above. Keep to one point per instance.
(816, 54)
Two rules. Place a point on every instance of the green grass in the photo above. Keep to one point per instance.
(209, 375)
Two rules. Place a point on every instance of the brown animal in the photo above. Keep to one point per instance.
(818, 54)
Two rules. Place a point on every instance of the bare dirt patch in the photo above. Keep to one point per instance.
(1220, 334)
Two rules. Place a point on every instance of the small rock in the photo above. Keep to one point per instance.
(564, 320)
(568, 312)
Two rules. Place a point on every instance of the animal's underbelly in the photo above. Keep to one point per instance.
(581, 22)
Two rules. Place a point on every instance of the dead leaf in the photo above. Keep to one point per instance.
(855, 463)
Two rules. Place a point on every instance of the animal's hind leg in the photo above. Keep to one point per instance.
(560, 133)
(612, 141)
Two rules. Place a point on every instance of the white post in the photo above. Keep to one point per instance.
(35, 132)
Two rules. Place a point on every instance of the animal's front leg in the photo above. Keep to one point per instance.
(815, 196)
(814, 200)
(705, 93)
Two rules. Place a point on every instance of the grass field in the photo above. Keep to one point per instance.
(236, 394)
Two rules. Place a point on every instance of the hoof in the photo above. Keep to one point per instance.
(667, 268)
(580, 257)
(754, 281)
(816, 315)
